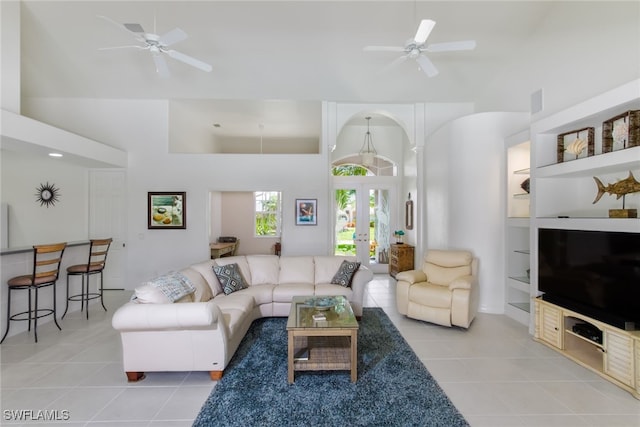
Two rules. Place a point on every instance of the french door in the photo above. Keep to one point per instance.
(363, 221)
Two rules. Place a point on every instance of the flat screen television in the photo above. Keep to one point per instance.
(595, 273)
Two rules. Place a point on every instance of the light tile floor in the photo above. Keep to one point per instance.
(494, 373)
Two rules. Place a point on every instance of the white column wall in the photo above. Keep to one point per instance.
(464, 176)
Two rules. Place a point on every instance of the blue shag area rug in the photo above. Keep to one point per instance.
(393, 388)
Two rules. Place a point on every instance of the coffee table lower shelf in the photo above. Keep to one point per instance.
(323, 353)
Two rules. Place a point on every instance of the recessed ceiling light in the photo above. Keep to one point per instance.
(55, 154)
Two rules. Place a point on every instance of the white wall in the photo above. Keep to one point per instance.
(29, 222)
(141, 127)
(464, 177)
(571, 56)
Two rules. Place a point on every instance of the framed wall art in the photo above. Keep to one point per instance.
(167, 210)
(306, 212)
(622, 131)
(576, 144)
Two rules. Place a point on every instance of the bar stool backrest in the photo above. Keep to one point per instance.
(98, 254)
(47, 260)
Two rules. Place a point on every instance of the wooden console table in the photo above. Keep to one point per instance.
(219, 250)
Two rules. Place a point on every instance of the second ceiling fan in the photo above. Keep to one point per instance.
(416, 47)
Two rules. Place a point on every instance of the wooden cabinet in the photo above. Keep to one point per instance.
(610, 352)
(400, 258)
(549, 326)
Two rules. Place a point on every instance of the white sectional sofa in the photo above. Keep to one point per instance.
(202, 331)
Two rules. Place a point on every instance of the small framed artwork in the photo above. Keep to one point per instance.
(576, 144)
(167, 210)
(306, 212)
(620, 132)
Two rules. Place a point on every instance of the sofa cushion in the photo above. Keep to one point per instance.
(329, 289)
(239, 301)
(296, 269)
(327, 266)
(344, 275)
(262, 294)
(203, 291)
(265, 269)
(169, 287)
(284, 293)
(230, 278)
(205, 269)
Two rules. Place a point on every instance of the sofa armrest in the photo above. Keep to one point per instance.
(411, 276)
(464, 282)
(144, 317)
(358, 286)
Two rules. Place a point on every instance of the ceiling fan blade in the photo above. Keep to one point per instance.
(134, 28)
(383, 49)
(138, 35)
(174, 36)
(189, 60)
(452, 46)
(124, 47)
(161, 65)
(393, 64)
(427, 66)
(424, 29)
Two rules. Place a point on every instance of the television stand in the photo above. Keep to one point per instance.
(611, 352)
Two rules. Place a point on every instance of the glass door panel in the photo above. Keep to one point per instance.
(363, 225)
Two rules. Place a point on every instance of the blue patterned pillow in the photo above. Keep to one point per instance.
(345, 273)
(230, 277)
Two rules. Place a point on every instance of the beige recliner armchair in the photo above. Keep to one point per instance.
(445, 291)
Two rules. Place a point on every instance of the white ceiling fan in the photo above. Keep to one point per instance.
(416, 47)
(158, 45)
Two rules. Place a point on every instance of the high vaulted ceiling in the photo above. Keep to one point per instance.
(275, 50)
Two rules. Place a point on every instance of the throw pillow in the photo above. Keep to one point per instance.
(345, 273)
(230, 277)
(167, 288)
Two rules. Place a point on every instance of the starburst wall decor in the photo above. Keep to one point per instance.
(47, 194)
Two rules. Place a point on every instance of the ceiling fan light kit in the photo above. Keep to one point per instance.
(158, 45)
(415, 48)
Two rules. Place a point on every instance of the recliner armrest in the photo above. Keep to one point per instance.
(145, 317)
(464, 282)
(412, 276)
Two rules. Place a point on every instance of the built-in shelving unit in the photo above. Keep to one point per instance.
(563, 196)
(517, 283)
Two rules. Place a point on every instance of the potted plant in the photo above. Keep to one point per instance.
(399, 236)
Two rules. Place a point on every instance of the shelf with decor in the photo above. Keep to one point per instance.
(517, 253)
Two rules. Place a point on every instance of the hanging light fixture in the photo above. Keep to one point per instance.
(368, 151)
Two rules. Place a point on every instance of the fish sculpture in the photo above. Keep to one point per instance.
(620, 188)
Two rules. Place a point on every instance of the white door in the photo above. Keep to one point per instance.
(107, 218)
(364, 216)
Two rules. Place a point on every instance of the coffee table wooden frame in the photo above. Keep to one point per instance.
(332, 346)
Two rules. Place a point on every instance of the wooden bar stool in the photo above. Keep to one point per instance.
(46, 269)
(98, 250)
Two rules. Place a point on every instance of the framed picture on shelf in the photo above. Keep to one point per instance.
(306, 212)
(167, 210)
(576, 144)
(621, 131)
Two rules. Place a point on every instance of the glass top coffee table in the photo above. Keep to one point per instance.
(323, 336)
